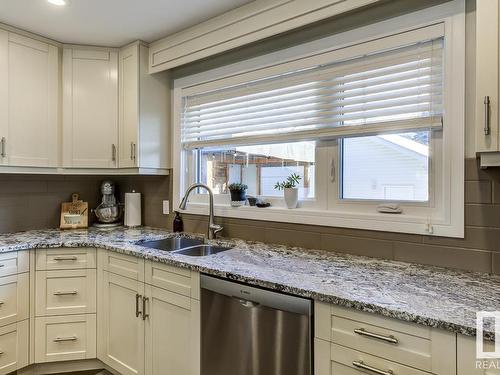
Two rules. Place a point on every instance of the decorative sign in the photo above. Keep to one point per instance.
(74, 214)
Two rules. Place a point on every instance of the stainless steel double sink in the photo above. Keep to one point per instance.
(184, 246)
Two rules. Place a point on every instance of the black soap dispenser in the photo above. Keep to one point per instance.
(178, 224)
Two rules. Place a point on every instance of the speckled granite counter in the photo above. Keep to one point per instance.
(431, 296)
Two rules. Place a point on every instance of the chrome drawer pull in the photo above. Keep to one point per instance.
(65, 258)
(68, 293)
(390, 339)
(64, 339)
(361, 365)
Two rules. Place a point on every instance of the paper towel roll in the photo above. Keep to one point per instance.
(132, 209)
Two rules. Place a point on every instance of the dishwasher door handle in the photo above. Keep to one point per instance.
(245, 302)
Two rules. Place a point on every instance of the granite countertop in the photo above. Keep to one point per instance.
(432, 296)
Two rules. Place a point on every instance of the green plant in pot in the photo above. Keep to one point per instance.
(238, 194)
(290, 189)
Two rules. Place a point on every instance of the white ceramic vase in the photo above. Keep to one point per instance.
(291, 197)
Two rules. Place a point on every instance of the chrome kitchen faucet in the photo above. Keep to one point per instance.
(213, 228)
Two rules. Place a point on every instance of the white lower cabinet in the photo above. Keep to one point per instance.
(63, 338)
(172, 333)
(121, 327)
(146, 329)
(65, 292)
(14, 339)
(350, 342)
(14, 298)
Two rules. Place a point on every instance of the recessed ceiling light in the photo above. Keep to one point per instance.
(57, 2)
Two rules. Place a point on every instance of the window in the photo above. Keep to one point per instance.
(364, 124)
(258, 167)
(389, 167)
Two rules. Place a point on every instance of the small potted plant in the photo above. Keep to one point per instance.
(238, 194)
(289, 186)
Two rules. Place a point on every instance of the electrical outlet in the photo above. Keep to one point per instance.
(166, 207)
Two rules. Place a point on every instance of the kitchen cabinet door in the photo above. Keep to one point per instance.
(120, 325)
(29, 102)
(90, 108)
(4, 93)
(172, 333)
(129, 106)
(487, 66)
(144, 111)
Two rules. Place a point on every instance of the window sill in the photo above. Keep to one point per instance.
(369, 221)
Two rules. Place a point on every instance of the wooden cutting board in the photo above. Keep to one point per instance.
(74, 214)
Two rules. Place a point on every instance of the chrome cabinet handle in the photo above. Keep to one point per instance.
(145, 315)
(390, 339)
(3, 153)
(68, 293)
(60, 259)
(113, 152)
(131, 150)
(486, 115)
(361, 365)
(64, 339)
(137, 311)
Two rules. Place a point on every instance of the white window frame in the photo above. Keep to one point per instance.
(442, 217)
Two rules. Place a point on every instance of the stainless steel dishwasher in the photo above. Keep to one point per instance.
(252, 331)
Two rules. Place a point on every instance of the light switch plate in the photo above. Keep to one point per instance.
(166, 207)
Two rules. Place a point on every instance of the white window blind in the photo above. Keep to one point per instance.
(394, 90)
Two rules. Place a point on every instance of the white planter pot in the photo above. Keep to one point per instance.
(291, 197)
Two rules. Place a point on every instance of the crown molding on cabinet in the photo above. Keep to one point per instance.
(249, 23)
(40, 38)
(29, 34)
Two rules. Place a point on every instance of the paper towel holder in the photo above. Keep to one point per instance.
(133, 214)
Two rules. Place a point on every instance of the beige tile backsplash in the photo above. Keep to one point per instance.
(33, 202)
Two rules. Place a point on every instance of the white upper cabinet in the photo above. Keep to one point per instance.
(29, 84)
(90, 108)
(487, 82)
(144, 107)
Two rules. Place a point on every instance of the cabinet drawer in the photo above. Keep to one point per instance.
(14, 298)
(63, 338)
(65, 258)
(175, 279)
(14, 262)
(424, 348)
(65, 292)
(345, 361)
(120, 264)
(14, 347)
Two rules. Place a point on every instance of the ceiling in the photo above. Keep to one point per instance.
(111, 23)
